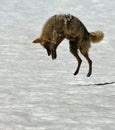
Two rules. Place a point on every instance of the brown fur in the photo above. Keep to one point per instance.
(96, 36)
(41, 39)
(62, 26)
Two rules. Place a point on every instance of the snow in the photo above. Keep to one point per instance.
(37, 93)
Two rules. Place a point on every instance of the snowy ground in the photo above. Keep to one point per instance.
(37, 93)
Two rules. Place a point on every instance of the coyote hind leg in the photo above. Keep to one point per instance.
(73, 50)
(89, 61)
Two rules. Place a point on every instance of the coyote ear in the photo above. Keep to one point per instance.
(41, 39)
(38, 40)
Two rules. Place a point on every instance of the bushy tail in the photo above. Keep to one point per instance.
(96, 36)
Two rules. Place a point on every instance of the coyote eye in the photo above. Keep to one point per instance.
(52, 26)
(72, 27)
(46, 44)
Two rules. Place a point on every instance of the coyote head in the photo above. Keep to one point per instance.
(44, 41)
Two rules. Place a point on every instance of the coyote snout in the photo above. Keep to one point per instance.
(59, 27)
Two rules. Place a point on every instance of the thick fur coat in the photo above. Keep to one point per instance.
(62, 26)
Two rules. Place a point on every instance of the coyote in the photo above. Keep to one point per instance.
(62, 26)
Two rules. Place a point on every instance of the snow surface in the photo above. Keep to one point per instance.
(37, 93)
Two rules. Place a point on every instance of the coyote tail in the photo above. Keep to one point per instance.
(96, 36)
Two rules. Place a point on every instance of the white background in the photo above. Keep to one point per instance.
(37, 93)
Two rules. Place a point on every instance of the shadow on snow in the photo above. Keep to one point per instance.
(98, 84)
(106, 83)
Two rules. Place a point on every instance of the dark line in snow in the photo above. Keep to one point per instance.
(106, 83)
(97, 84)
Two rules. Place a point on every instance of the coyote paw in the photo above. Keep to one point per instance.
(89, 74)
(76, 72)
